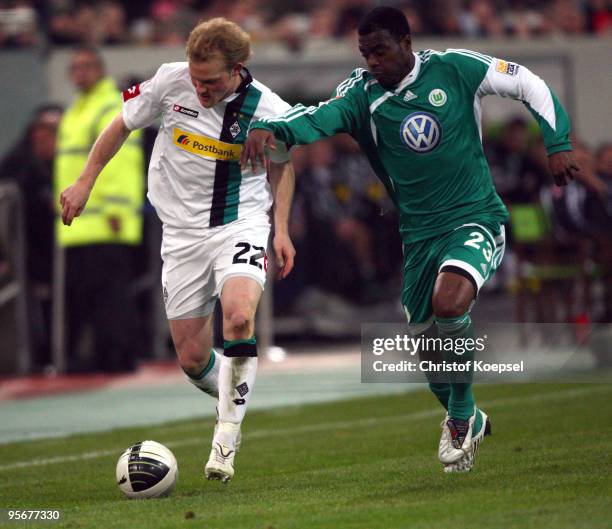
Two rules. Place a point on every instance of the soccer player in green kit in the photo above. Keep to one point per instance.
(417, 118)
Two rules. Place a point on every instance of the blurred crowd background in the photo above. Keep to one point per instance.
(349, 252)
(558, 261)
(25, 23)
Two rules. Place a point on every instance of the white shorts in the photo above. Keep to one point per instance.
(198, 262)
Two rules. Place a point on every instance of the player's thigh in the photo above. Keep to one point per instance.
(452, 295)
(239, 298)
(419, 276)
(473, 251)
(193, 338)
(241, 264)
(188, 274)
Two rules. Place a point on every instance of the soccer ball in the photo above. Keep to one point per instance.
(147, 470)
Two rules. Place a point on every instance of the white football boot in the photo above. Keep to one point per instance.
(221, 461)
(456, 440)
(466, 463)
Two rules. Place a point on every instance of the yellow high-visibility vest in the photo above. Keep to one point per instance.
(119, 189)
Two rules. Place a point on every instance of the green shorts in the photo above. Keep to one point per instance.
(473, 250)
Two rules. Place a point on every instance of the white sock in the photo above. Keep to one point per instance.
(208, 379)
(236, 381)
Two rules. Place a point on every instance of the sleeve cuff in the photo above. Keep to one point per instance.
(260, 125)
(559, 147)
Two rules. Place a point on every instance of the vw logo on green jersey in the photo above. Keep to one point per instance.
(421, 132)
(437, 97)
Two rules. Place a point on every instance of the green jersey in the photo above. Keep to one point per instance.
(423, 138)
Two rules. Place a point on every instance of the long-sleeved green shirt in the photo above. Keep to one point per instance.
(423, 138)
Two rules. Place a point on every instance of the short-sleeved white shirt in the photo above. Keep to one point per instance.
(195, 180)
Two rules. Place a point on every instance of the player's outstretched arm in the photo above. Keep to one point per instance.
(512, 80)
(74, 197)
(282, 181)
(301, 125)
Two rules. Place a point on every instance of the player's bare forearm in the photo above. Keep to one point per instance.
(106, 146)
(282, 181)
(74, 197)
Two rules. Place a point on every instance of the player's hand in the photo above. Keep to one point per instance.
(563, 167)
(284, 254)
(114, 223)
(73, 200)
(254, 148)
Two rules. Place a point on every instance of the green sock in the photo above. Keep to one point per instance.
(461, 402)
(477, 423)
(248, 341)
(437, 381)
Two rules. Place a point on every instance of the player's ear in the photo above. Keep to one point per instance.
(237, 68)
(406, 43)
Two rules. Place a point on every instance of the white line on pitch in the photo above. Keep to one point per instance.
(414, 416)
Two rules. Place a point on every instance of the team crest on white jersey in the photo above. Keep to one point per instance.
(235, 129)
(421, 132)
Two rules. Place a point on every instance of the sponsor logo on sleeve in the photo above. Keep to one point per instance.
(131, 92)
(509, 68)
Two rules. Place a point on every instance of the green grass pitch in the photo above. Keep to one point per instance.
(361, 464)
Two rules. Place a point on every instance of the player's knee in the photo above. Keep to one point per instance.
(449, 306)
(189, 364)
(190, 353)
(238, 322)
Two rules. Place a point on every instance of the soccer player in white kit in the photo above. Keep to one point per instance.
(215, 215)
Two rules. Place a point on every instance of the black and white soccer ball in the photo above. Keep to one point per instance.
(147, 470)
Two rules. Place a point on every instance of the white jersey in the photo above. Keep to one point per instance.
(195, 180)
